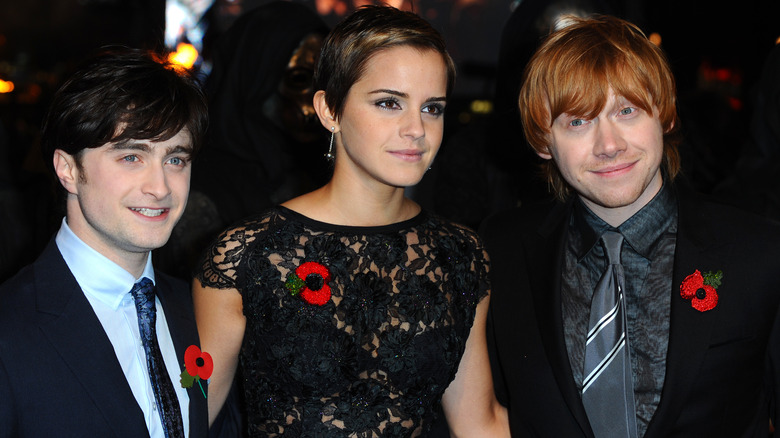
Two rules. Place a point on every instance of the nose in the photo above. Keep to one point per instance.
(609, 141)
(155, 182)
(413, 125)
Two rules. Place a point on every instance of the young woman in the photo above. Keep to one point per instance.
(349, 311)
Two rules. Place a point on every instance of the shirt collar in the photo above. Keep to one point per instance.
(96, 274)
(641, 231)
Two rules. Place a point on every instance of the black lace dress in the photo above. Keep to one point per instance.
(350, 331)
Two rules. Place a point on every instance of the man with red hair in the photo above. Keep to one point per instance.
(629, 306)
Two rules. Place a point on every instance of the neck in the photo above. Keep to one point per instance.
(612, 216)
(355, 202)
(130, 261)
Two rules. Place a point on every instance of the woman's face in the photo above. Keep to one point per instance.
(393, 119)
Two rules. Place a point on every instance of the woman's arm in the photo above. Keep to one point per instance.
(469, 402)
(221, 324)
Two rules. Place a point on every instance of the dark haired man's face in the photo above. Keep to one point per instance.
(126, 197)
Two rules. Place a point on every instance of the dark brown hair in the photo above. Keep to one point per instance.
(123, 94)
(364, 33)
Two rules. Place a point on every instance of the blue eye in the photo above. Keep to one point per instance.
(178, 161)
(577, 122)
(130, 158)
(626, 111)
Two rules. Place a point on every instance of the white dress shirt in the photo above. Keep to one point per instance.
(107, 288)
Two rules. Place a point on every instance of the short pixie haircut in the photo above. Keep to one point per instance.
(123, 94)
(364, 33)
(572, 71)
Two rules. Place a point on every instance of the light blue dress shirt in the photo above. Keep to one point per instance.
(107, 288)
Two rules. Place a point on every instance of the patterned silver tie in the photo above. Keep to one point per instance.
(607, 387)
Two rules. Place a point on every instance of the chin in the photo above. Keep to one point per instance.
(617, 200)
(406, 183)
(153, 242)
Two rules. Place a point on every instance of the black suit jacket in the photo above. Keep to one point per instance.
(722, 365)
(59, 376)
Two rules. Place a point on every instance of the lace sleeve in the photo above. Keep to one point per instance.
(480, 264)
(221, 261)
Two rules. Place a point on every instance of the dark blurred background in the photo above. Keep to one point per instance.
(717, 51)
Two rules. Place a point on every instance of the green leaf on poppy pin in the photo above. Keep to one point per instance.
(713, 278)
(187, 380)
(294, 284)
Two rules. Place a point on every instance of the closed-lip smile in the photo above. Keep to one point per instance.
(408, 154)
(615, 169)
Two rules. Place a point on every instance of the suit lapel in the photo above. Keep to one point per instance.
(77, 336)
(181, 325)
(689, 329)
(545, 259)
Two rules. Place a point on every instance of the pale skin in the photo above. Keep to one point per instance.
(125, 198)
(612, 161)
(385, 139)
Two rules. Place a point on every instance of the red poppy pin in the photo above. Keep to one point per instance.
(310, 281)
(197, 365)
(701, 289)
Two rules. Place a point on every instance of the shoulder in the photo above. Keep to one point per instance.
(43, 280)
(725, 221)
(243, 233)
(532, 214)
(223, 259)
(17, 294)
(248, 227)
(508, 225)
(37, 295)
(447, 227)
(454, 239)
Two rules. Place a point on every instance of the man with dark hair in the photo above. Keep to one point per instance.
(92, 338)
(631, 306)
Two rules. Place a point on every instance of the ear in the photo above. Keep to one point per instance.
(546, 154)
(66, 170)
(671, 127)
(327, 119)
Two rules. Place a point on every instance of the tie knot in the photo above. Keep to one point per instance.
(612, 242)
(143, 294)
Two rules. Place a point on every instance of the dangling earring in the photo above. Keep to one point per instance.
(329, 155)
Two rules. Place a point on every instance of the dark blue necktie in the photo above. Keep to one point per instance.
(164, 393)
(607, 387)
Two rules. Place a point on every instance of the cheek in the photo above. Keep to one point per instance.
(570, 164)
(563, 158)
(655, 147)
(98, 185)
(434, 132)
(179, 182)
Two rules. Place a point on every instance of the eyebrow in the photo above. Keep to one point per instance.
(406, 95)
(136, 145)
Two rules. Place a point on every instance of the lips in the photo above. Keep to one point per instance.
(408, 154)
(615, 169)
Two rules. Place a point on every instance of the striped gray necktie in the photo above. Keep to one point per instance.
(607, 388)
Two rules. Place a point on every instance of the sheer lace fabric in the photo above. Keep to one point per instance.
(375, 359)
